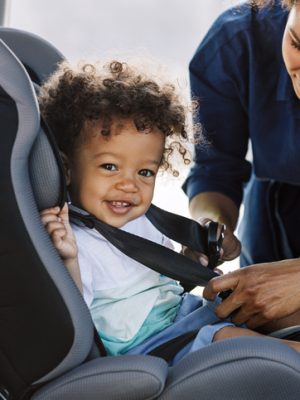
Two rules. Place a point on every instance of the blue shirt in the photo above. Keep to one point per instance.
(244, 91)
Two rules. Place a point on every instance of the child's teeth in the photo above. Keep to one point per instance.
(120, 204)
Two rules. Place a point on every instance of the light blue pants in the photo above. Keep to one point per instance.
(195, 313)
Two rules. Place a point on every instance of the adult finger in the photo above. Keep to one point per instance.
(220, 284)
(218, 271)
(245, 313)
(255, 321)
(231, 246)
(195, 255)
(228, 307)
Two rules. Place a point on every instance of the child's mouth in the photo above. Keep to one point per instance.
(119, 207)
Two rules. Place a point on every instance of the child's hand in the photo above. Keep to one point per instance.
(56, 221)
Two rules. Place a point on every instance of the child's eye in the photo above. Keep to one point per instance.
(109, 167)
(146, 172)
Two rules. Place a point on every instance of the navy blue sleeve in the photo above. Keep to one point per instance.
(219, 81)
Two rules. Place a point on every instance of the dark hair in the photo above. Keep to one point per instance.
(73, 97)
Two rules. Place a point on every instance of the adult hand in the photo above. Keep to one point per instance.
(213, 206)
(231, 246)
(261, 292)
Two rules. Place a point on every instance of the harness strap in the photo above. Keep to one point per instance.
(181, 229)
(162, 259)
(159, 258)
(169, 349)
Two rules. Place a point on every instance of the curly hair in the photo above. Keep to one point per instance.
(73, 97)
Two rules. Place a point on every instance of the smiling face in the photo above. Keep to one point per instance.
(113, 177)
(291, 47)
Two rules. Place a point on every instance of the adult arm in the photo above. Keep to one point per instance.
(219, 80)
(261, 292)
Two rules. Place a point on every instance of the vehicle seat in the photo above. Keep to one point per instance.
(47, 347)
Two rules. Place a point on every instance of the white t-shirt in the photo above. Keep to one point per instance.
(128, 301)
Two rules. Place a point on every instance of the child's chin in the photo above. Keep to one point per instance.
(118, 223)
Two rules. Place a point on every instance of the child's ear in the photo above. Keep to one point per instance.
(66, 167)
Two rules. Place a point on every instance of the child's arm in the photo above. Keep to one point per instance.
(56, 221)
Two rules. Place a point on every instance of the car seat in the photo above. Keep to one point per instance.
(47, 345)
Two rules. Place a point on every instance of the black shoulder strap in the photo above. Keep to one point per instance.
(181, 229)
(153, 255)
(169, 349)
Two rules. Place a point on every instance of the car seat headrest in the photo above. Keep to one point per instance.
(38, 56)
(38, 60)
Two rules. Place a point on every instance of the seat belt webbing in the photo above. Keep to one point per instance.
(157, 257)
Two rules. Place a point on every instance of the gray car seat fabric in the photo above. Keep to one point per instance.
(110, 378)
(16, 85)
(46, 333)
(39, 56)
(244, 368)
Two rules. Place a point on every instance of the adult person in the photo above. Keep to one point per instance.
(246, 73)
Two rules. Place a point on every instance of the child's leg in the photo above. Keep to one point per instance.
(233, 331)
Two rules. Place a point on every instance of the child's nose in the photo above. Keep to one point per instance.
(127, 185)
